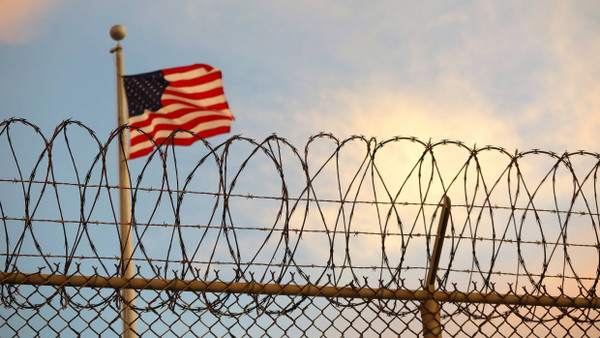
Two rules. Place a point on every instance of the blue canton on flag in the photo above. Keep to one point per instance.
(144, 91)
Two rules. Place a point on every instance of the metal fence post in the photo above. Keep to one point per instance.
(430, 309)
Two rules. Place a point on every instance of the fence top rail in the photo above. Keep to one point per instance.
(274, 289)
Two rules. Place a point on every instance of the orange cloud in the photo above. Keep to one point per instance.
(451, 110)
(20, 19)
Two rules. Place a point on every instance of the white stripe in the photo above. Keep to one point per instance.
(169, 109)
(164, 110)
(181, 120)
(199, 103)
(189, 74)
(218, 83)
(165, 133)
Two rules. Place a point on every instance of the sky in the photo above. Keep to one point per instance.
(518, 75)
(512, 74)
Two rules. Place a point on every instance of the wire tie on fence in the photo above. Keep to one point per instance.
(96, 277)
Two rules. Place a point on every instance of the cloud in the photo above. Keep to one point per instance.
(21, 20)
(453, 109)
(572, 98)
(481, 74)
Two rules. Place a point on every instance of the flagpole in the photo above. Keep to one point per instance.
(118, 32)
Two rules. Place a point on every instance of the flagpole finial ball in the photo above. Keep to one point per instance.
(118, 32)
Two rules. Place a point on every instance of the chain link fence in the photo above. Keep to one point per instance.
(251, 238)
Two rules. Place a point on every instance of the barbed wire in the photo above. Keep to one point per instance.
(324, 200)
(338, 212)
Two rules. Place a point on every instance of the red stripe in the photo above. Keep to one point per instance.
(196, 96)
(197, 80)
(177, 114)
(184, 69)
(171, 127)
(173, 115)
(202, 134)
(141, 152)
(211, 107)
(193, 123)
(181, 142)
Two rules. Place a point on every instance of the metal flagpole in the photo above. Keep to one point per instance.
(118, 32)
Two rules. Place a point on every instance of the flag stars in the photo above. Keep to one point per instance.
(144, 92)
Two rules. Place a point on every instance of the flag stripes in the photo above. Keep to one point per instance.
(191, 98)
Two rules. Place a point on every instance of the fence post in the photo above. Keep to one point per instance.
(430, 309)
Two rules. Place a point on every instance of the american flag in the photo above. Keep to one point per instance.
(188, 98)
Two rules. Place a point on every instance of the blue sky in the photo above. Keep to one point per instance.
(520, 75)
(516, 75)
(511, 74)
